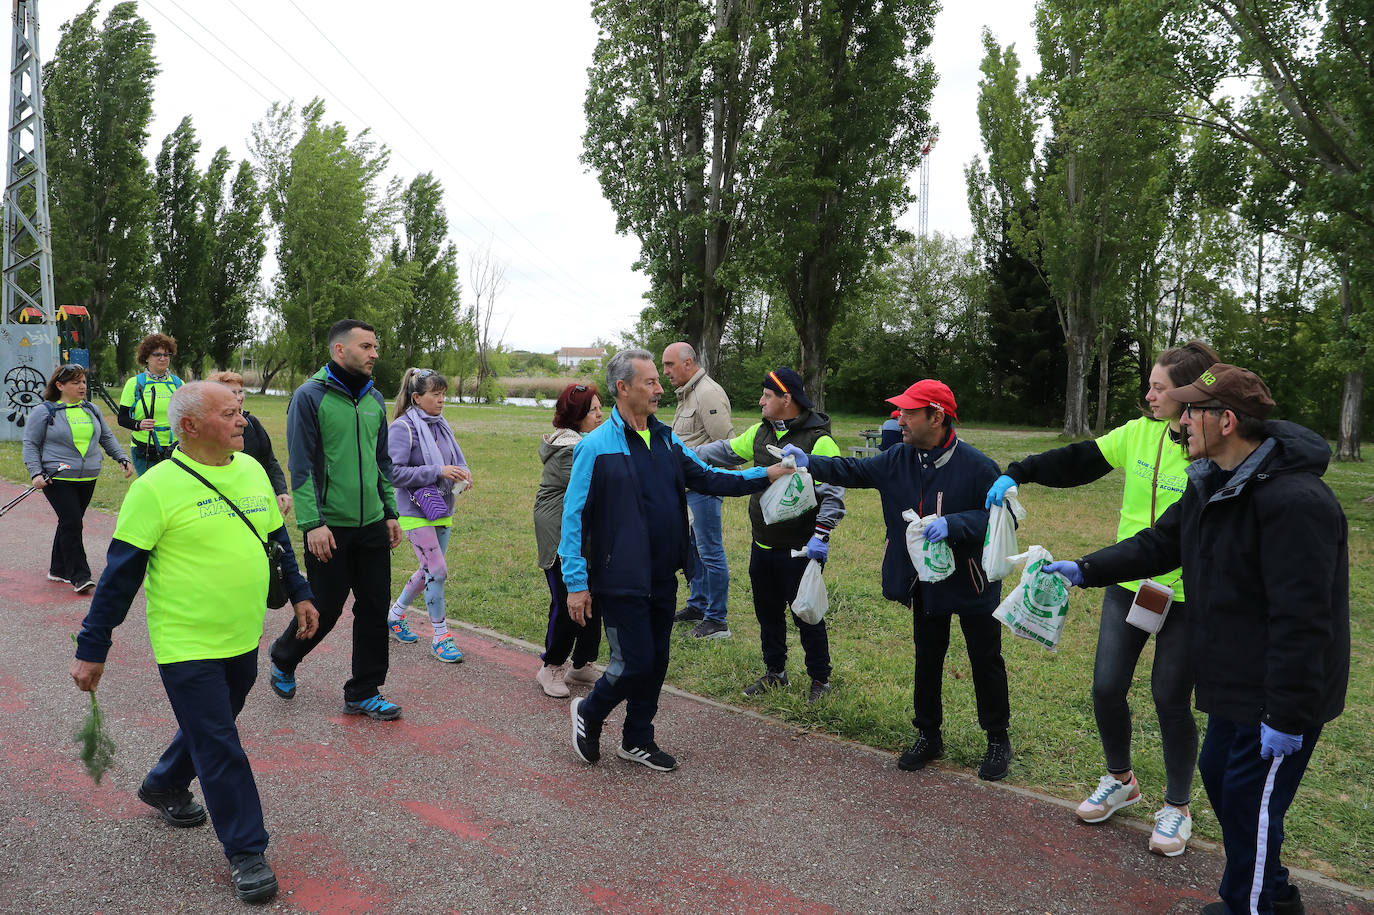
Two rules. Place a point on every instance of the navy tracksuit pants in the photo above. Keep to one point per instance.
(206, 697)
(1250, 796)
(775, 575)
(637, 631)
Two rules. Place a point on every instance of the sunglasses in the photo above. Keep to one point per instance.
(422, 373)
(580, 388)
(70, 369)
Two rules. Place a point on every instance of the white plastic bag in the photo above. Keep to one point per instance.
(788, 497)
(811, 602)
(999, 544)
(933, 561)
(1039, 604)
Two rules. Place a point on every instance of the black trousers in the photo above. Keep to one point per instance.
(638, 631)
(775, 576)
(69, 499)
(983, 636)
(564, 637)
(361, 564)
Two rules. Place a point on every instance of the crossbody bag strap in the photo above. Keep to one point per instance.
(260, 539)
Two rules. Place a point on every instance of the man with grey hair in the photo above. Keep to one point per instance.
(624, 539)
(702, 417)
(195, 526)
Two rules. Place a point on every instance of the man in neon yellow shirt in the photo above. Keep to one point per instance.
(207, 581)
(789, 418)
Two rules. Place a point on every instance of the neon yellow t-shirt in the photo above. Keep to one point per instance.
(409, 524)
(152, 405)
(644, 434)
(743, 445)
(207, 575)
(1136, 447)
(83, 430)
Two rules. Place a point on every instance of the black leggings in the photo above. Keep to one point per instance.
(564, 637)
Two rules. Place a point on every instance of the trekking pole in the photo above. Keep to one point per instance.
(47, 478)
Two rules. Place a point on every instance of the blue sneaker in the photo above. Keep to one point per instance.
(446, 651)
(283, 685)
(400, 631)
(373, 707)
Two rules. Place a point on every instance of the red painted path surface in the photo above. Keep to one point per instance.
(474, 802)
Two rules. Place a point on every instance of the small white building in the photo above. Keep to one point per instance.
(574, 356)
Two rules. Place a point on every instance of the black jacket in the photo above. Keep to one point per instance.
(1265, 566)
(258, 446)
(955, 477)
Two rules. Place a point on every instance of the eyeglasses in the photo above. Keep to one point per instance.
(1190, 409)
(160, 354)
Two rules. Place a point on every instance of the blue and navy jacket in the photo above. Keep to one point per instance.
(953, 479)
(608, 543)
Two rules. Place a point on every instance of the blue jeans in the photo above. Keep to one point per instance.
(206, 697)
(1171, 682)
(711, 584)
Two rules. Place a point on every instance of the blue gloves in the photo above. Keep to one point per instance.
(817, 549)
(998, 491)
(937, 530)
(801, 456)
(1277, 743)
(1069, 571)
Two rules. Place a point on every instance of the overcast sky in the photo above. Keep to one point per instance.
(487, 96)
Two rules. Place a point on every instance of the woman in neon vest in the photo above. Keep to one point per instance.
(70, 431)
(143, 405)
(1150, 449)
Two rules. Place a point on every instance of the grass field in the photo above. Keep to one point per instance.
(494, 582)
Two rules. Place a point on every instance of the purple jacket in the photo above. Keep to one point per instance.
(409, 472)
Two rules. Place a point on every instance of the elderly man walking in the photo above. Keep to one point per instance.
(1263, 546)
(624, 539)
(194, 525)
(702, 417)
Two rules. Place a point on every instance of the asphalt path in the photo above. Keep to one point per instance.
(474, 802)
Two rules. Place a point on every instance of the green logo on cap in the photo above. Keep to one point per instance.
(1208, 379)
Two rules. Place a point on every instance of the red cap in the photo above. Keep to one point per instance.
(926, 393)
(896, 413)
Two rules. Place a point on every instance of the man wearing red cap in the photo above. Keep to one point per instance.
(1263, 545)
(892, 431)
(936, 473)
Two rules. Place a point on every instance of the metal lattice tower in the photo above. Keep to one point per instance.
(923, 196)
(27, 280)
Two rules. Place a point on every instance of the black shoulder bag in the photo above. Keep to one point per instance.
(276, 580)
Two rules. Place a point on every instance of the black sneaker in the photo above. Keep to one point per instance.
(711, 629)
(176, 807)
(1290, 904)
(688, 615)
(771, 680)
(928, 746)
(648, 755)
(253, 879)
(818, 689)
(586, 736)
(996, 761)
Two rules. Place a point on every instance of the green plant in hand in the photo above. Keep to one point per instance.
(97, 747)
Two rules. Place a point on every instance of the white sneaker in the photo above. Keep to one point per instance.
(551, 678)
(1173, 829)
(1111, 795)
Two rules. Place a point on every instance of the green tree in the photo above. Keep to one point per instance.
(232, 212)
(181, 248)
(426, 320)
(323, 197)
(98, 91)
(849, 95)
(673, 97)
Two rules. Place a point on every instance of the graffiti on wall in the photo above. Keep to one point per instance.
(27, 355)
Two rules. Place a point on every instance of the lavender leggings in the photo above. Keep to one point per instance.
(429, 544)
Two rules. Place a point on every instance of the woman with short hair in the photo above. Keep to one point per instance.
(577, 412)
(257, 444)
(143, 404)
(68, 429)
(427, 472)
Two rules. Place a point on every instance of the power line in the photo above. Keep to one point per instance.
(212, 54)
